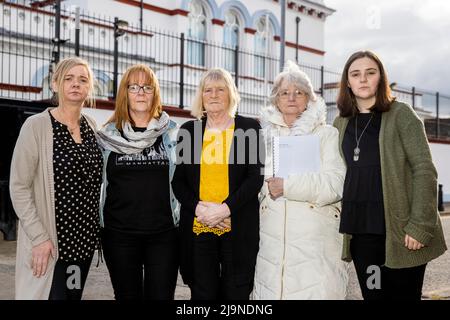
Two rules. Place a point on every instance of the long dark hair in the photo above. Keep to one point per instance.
(346, 101)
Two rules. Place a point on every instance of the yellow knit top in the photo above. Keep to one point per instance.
(214, 172)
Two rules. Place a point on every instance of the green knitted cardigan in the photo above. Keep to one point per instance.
(409, 181)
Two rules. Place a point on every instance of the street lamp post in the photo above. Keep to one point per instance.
(118, 32)
(56, 40)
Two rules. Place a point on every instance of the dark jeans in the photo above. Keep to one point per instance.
(142, 266)
(395, 284)
(69, 279)
(212, 271)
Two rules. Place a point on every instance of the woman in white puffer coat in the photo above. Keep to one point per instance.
(300, 246)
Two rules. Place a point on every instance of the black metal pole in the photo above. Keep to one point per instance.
(297, 21)
(283, 33)
(77, 31)
(57, 40)
(440, 198)
(438, 131)
(236, 66)
(413, 97)
(116, 57)
(141, 19)
(322, 73)
(181, 71)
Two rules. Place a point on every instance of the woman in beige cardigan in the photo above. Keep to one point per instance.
(55, 187)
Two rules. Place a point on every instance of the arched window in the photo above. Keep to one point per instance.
(263, 33)
(231, 39)
(196, 34)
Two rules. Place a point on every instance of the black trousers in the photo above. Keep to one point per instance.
(368, 253)
(69, 279)
(213, 269)
(142, 266)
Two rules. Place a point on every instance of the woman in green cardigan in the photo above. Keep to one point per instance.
(389, 207)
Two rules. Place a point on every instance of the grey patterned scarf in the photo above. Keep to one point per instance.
(131, 141)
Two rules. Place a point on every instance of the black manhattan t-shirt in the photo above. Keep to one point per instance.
(138, 194)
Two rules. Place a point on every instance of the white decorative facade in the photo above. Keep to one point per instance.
(229, 22)
(241, 36)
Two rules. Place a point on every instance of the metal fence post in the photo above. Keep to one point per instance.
(297, 22)
(322, 71)
(77, 31)
(57, 38)
(414, 97)
(116, 57)
(181, 105)
(438, 132)
(440, 198)
(283, 34)
(236, 66)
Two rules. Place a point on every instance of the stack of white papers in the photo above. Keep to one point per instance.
(296, 155)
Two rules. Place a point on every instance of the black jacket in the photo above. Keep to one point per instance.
(246, 177)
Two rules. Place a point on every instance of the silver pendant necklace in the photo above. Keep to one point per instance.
(356, 151)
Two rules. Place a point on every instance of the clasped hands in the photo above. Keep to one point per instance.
(213, 215)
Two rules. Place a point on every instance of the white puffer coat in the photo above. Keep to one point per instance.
(300, 246)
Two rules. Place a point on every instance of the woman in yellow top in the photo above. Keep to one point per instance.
(217, 180)
(214, 175)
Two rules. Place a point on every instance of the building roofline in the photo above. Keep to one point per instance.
(323, 7)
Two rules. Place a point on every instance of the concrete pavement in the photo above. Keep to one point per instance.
(98, 285)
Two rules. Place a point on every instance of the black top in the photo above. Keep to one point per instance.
(362, 204)
(77, 170)
(245, 177)
(138, 194)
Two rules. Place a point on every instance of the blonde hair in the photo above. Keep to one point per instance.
(58, 79)
(217, 74)
(121, 112)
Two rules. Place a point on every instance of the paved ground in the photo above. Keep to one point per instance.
(98, 286)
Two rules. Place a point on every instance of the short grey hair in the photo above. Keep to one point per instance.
(292, 74)
(216, 74)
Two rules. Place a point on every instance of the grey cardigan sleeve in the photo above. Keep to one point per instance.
(24, 165)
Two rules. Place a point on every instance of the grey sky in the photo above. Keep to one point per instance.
(412, 38)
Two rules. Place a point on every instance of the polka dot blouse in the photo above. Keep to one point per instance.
(77, 172)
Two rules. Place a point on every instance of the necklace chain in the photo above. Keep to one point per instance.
(71, 130)
(357, 150)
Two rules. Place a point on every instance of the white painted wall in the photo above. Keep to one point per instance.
(441, 159)
(99, 115)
